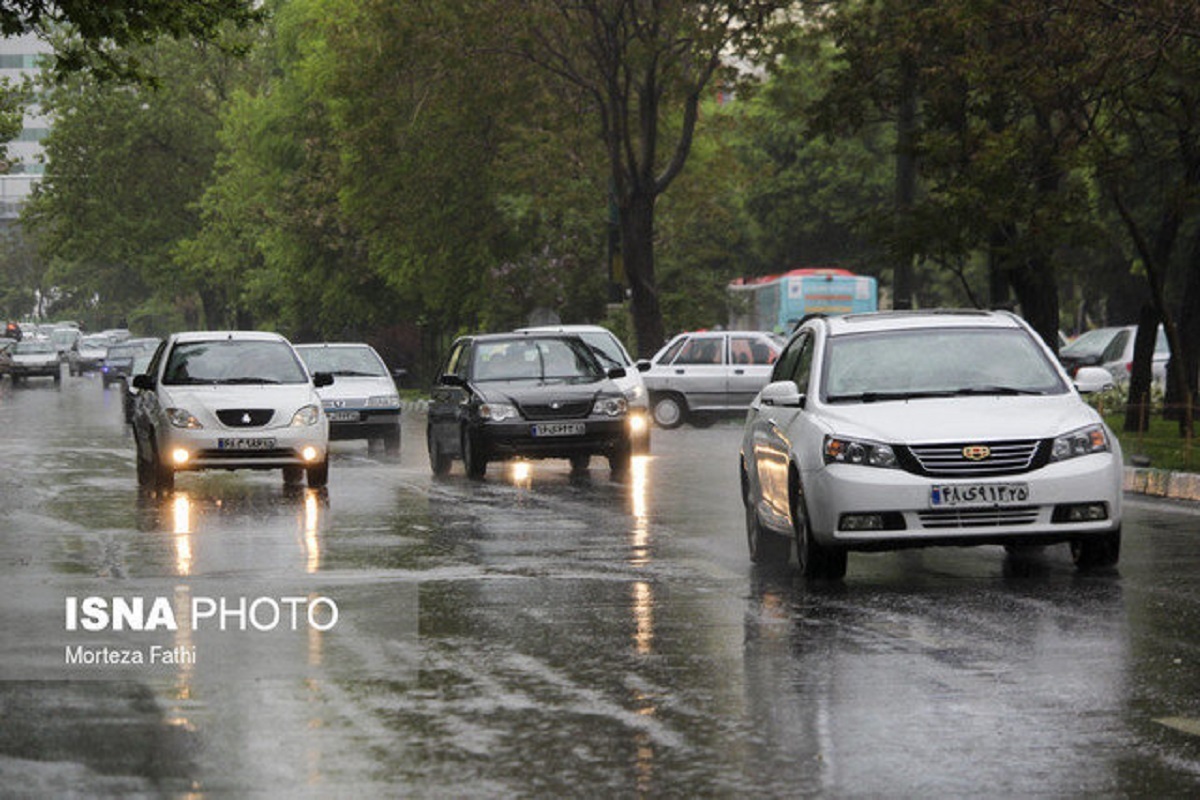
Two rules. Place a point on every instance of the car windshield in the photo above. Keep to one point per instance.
(241, 361)
(27, 347)
(95, 342)
(535, 359)
(346, 361)
(123, 351)
(606, 348)
(938, 362)
(1091, 343)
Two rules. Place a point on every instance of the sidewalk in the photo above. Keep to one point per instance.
(1161, 483)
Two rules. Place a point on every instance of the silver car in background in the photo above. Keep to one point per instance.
(708, 372)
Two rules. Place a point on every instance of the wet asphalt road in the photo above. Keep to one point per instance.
(544, 634)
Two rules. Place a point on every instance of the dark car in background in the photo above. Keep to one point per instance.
(129, 392)
(503, 396)
(118, 360)
(87, 353)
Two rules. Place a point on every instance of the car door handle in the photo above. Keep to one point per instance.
(739, 372)
(680, 372)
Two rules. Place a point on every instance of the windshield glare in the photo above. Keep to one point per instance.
(937, 362)
(233, 361)
(344, 361)
(535, 359)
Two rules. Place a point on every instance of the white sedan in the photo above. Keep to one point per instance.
(892, 430)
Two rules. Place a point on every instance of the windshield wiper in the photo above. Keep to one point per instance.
(248, 381)
(1005, 390)
(353, 373)
(875, 397)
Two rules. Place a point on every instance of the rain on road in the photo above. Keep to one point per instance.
(540, 633)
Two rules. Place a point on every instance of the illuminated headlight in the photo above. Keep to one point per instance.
(180, 456)
(308, 415)
(182, 418)
(309, 453)
(859, 451)
(610, 406)
(1082, 442)
(381, 400)
(638, 424)
(498, 412)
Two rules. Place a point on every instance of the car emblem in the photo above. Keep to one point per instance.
(339, 403)
(976, 452)
(246, 418)
(555, 405)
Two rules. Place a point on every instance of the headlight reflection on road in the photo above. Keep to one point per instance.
(312, 526)
(521, 474)
(182, 517)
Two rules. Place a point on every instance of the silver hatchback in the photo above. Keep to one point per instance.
(707, 372)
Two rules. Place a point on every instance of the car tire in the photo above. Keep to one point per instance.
(318, 474)
(1098, 551)
(580, 463)
(163, 474)
(145, 469)
(766, 548)
(292, 475)
(621, 460)
(391, 443)
(814, 559)
(439, 462)
(670, 411)
(474, 459)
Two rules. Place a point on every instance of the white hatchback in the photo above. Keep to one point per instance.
(902, 429)
(229, 400)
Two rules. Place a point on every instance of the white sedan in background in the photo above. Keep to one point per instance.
(904, 429)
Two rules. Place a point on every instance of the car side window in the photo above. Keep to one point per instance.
(702, 350)
(750, 350)
(156, 359)
(785, 367)
(456, 364)
(672, 351)
(803, 364)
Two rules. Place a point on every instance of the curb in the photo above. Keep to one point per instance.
(1161, 483)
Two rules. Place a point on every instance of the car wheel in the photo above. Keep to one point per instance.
(391, 443)
(439, 462)
(292, 475)
(318, 475)
(474, 460)
(621, 459)
(580, 463)
(163, 474)
(145, 469)
(766, 548)
(58, 379)
(1101, 550)
(670, 411)
(815, 560)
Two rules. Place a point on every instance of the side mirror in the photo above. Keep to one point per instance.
(643, 365)
(450, 379)
(322, 379)
(1093, 379)
(143, 383)
(616, 373)
(784, 394)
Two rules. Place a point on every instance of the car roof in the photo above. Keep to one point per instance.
(910, 320)
(517, 335)
(315, 345)
(563, 329)
(208, 336)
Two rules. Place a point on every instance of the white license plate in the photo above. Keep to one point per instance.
(969, 495)
(262, 443)
(559, 429)
(342, 416)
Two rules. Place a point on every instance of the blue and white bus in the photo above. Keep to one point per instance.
(777, 302)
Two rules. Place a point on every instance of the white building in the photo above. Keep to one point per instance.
(19, 56)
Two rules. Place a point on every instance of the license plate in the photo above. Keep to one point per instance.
(559, 429)
(263, 443)
(342, 416)
(967, 495)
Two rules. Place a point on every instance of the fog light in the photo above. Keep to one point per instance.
(861, 522)
(637, 424)
(180, 456)
(309, 453)
(1080, 512)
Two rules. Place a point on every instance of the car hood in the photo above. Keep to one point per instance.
(539, 391)
(989, 418)
(285, 398)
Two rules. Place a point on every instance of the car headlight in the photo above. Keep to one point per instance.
(636, 393)
(182, 418)
(498, 412)
(308, 415)
(610, 406)
(859, 451)
(1082, 442)
(381, 400)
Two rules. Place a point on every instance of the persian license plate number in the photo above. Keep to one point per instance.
(261, 443)
(558, 429)
(967, 495)
(342, 416)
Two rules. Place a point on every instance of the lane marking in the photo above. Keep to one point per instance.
(1182, 724)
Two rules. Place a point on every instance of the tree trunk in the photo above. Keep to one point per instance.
(637, 250)
(1137, 413)
(906, 182)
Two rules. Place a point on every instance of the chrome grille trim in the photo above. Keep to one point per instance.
(568, 410)
(948, 461)
(977, 517)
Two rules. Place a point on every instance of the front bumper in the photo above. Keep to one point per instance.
(35, 371)
(516, 438)
(264, 448)
(841, 497)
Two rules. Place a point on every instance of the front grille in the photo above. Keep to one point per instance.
(566, 410)
(977, 517)
(949, 460)
(245, 455)
(245, 417)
